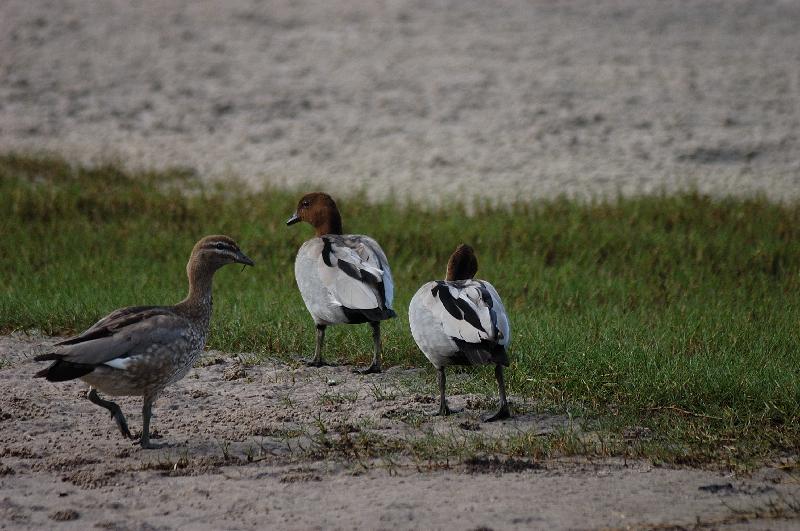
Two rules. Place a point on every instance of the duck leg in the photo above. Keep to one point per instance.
(147, 413)
(504, 412)
(444, 410)
(116, 412)
(317, 361)
(376, 355)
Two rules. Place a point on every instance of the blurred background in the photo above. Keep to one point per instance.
(431, 100)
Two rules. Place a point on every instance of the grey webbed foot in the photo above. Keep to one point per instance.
(145, 439)
(502, 414)
(375, 368)
(318, 363)
(445, 410)
(147, 444)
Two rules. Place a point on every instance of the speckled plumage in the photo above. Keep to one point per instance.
(163, 361)
(142, 349)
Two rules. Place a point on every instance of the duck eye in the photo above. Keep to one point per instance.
(305, 204)
(219, 246)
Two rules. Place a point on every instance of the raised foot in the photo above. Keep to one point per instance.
(502, 414)
(372, 369)
(318, 363)
(122, 424)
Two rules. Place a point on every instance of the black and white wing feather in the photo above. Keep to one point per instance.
(472, 316)
(356, 273)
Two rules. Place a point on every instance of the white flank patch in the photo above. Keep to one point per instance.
(119, 363)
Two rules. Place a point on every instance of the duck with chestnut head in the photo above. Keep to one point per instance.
(343, 278)
(462, 321)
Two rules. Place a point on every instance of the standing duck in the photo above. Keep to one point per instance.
(142, 349)
(343, 278)
(462, 321)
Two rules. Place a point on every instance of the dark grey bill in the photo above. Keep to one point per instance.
(243, 259)
(292, 220)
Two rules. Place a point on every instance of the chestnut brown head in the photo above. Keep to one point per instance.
(319, 210)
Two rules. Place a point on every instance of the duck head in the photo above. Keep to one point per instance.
(213, 252)
(463, 263)
(318, 209)
(208, 255)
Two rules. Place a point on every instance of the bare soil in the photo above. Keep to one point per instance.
(289, 447)
(435, 101)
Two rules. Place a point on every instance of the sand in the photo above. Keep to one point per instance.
(434, 101)
(244, 450)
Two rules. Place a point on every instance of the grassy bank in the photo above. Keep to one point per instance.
(678, 314)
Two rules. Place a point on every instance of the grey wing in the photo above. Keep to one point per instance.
(114, 321)
(353, 273)
(382, 262)
(124, 343)
(489, 293)
(462, 312)
(468, 314)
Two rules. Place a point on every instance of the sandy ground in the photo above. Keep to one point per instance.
(434, 100)
(241, 453)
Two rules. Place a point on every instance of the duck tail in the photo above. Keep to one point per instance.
(62, 371)
(482, 353)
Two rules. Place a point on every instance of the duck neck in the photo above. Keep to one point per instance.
(461, 266)
(198, 301)
(330, 224)
(451, 276)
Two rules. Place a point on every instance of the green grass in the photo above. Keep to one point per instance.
(678, 313)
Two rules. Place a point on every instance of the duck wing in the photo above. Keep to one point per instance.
(472, 315)
(355, 271)
(116, 340)
(114, 321)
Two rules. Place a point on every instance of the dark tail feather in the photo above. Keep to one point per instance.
(378, 314)
(47, 357)
(483, 353)
(365, 316)
(62, 371)
(500, 355)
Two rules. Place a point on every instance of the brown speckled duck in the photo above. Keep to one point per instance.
(343, 278)
(142, 349)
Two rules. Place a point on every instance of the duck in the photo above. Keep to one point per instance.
(140, 350)
(342, 278)
(462, 321)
